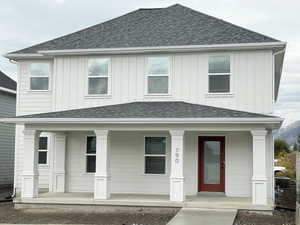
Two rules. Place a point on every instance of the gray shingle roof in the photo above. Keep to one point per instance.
(176, 25)
(175, 109)
(7, 82)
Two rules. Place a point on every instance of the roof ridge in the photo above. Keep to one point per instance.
(216, 18)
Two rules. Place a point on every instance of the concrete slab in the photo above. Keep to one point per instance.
(188, 216)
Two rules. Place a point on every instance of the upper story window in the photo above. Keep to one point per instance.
(39, 76)
(219, 74)
(98, 76)
(158, 73)
(43, 150)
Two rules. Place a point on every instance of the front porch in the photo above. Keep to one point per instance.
(202, 200)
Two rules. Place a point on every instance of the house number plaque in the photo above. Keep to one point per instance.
(177, 155)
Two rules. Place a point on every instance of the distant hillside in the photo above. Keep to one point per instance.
(289, 133)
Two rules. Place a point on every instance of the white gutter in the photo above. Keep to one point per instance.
(139, 120)
(156, 49)
(8, 90)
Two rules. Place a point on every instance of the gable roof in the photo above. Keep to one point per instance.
(172, 109)
(176, 25)
(7, 83)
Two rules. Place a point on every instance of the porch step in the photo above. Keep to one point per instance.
(189, 216)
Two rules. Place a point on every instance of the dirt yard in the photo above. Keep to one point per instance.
(279, 218)
(10, 215)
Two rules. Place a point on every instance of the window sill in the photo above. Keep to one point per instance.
(219, 95)
(43, 166)
(155, 175)
(157, 95)
(39, 91)
(98, 96)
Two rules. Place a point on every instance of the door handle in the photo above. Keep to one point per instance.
(223, 165)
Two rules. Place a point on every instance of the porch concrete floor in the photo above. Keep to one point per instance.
(202, 201)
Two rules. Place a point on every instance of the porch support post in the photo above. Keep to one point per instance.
(58, 174)
(102, 175)
(30, 167)
(259, 178)
(176, 178)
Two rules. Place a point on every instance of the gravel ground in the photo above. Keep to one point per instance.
(10, 215)
(279, 217)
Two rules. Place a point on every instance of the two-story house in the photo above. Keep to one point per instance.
(7, 131)
(155, 107)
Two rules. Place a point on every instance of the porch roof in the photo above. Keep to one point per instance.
(163, 111)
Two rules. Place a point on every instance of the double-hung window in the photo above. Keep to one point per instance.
(43, 150)
(39, 76)
(155, 155)
(219, 74)
(99, 76)
(158, 73)
(91, 154)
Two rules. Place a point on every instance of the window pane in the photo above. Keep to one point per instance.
(43, 143)
(158, 85)
(212, 162)
(219, 83)
(155, 165)
(39, 69)
(155, 145)
(42, 157)
(39, 83)
(91, 145)
(219, 64)
(91, 164)
(158, 65)
(98, 86)
(98, 67)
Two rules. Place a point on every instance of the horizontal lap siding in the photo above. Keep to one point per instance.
(127, 165)
(7, 138)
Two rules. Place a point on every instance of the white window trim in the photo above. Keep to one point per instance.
(49, 76)
(88, 154)
(45, 150)
(156, 155)
(108, 76)
(147, 75)
(220, 94)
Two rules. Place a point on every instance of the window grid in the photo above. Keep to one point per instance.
(44, 150)
(40, 76)
(107, 76)
(220, 74)
(155, 155)
(87, 155)
(158, 75)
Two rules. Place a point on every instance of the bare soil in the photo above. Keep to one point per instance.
(279, 217)
(17, 216)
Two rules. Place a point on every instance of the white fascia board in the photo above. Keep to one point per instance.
(8, 90)
(156, 49)
(23, 56)
(139, 120)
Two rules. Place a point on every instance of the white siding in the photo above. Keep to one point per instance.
(251, 81)
(127, 164)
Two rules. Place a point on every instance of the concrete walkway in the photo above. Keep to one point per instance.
(188, 216)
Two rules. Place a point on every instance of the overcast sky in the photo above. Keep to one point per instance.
(24, 23)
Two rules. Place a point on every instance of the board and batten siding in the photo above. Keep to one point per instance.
(7, 138)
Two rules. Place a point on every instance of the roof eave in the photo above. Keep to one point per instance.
(156, 49)
(270, 120)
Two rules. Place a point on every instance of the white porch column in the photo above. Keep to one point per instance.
(102, 175)
(58, 157)
(176, 177)
(30, 167)
(259, 178)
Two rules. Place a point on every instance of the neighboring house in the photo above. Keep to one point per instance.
(7, 131)
(158, 102)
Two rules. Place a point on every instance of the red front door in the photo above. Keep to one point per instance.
(211, 163)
